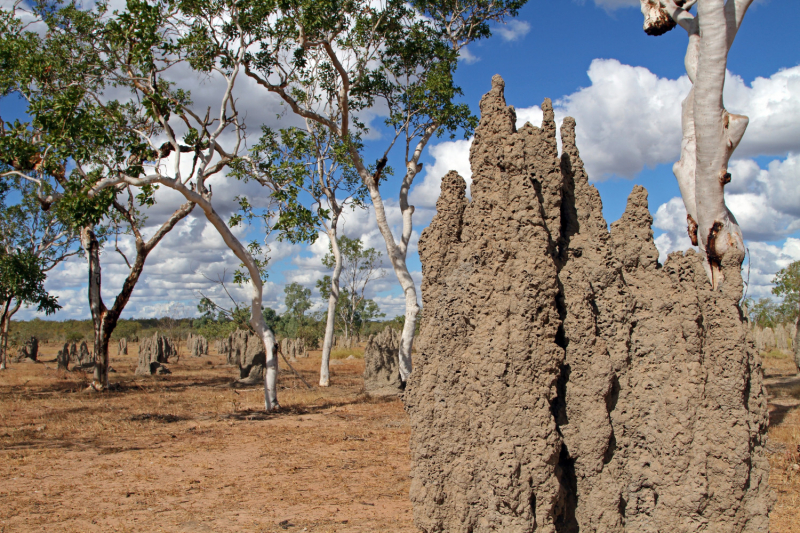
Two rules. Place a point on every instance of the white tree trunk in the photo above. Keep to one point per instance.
(333, 299)
(710, 132)
(397, 256)
(256, 312)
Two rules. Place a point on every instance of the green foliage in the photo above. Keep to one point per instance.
(766, 312)
(22, 279)
(359, 266)
(787, 285)
(298, 300)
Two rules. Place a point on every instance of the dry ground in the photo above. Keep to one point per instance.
(186, 453)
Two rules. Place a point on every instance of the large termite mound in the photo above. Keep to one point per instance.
(566, 381)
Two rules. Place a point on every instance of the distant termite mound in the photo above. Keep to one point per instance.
(382, 364)
(566, 381)
(154, 353)
(197, 345)
(245, 350)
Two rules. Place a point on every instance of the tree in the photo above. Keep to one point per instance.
(359, 266)
(57, 77)
(32, 243)
(787, 285)
(318, 164)
(763, 313)
(298, 300)
(21, 281)
(359, 53)
(710, 132)
(136, 50)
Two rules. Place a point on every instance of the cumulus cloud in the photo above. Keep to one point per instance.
(629, 118)
(468, 57)
(671, 218)
(448, 155)
(513, 30)
(764, 202)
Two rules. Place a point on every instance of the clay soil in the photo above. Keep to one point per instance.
(186, 452)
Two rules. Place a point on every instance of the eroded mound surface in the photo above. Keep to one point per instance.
(567, 381)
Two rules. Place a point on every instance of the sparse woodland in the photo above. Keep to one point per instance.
(560, 379)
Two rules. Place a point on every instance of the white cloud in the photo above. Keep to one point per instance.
(448, 155)
(468, 57)
(513, 30)
(671, 218)
(764, 261)
(629, 118)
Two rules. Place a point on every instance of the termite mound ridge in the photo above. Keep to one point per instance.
(566, 381)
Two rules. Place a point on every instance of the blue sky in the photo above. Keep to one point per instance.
(623, 87)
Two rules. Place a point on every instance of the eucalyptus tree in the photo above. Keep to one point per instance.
(22, 282)
(787, 285)
(710, 132)
(313, 162)
(144, 53)
(359, 267)
(57, 77)
(397, 56)
(32, 243)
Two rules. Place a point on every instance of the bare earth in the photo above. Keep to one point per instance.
(187, 453)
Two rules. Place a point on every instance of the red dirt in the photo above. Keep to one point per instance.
(186, 453)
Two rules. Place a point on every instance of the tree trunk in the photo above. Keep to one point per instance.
(717, 135)
(256, 312)
(4, 320)
(710, 132)
(333, 299)
(397, 255)
(97, 307)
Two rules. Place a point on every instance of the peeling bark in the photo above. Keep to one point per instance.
(710, 132)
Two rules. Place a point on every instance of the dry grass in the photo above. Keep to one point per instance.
(187, 453)
(357, 353)
(784, 440)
